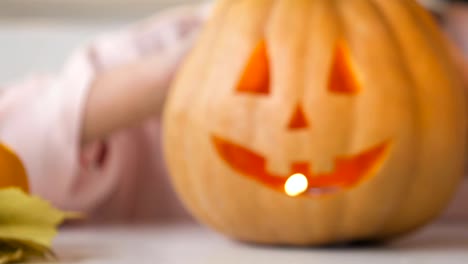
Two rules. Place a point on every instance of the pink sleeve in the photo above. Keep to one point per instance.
(40, 118)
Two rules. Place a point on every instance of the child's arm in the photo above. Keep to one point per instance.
(128, 93)
(112, 83)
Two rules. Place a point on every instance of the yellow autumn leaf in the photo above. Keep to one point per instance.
(27, 218)
(27, 223)
(8, 255)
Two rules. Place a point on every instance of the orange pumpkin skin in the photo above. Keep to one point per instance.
(330, 89)
(12, 172)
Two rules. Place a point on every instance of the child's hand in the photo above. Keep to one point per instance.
(130, 93)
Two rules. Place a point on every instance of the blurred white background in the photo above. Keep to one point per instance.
(97, 10)
(38, 35)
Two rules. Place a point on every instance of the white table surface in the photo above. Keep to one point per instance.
(196, 245)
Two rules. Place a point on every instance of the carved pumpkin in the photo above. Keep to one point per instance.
(314, 122)
(12, 172)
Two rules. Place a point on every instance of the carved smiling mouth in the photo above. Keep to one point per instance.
(348, 171)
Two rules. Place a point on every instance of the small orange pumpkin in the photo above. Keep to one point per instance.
(314, 122)
(12, 172)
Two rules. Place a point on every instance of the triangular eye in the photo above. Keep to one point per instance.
(343, 78)
(256, 76)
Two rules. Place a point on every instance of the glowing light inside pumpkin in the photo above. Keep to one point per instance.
(296, 185)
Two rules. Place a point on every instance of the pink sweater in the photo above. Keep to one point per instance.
(122, 178)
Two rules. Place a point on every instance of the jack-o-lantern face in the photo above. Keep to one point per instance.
(312, 122)
(349, 170)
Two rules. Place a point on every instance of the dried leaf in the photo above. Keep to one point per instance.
(8, 255)
(27, 225)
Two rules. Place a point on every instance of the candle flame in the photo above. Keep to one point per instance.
(296, 185)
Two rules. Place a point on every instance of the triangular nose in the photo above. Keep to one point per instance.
(298, 120)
